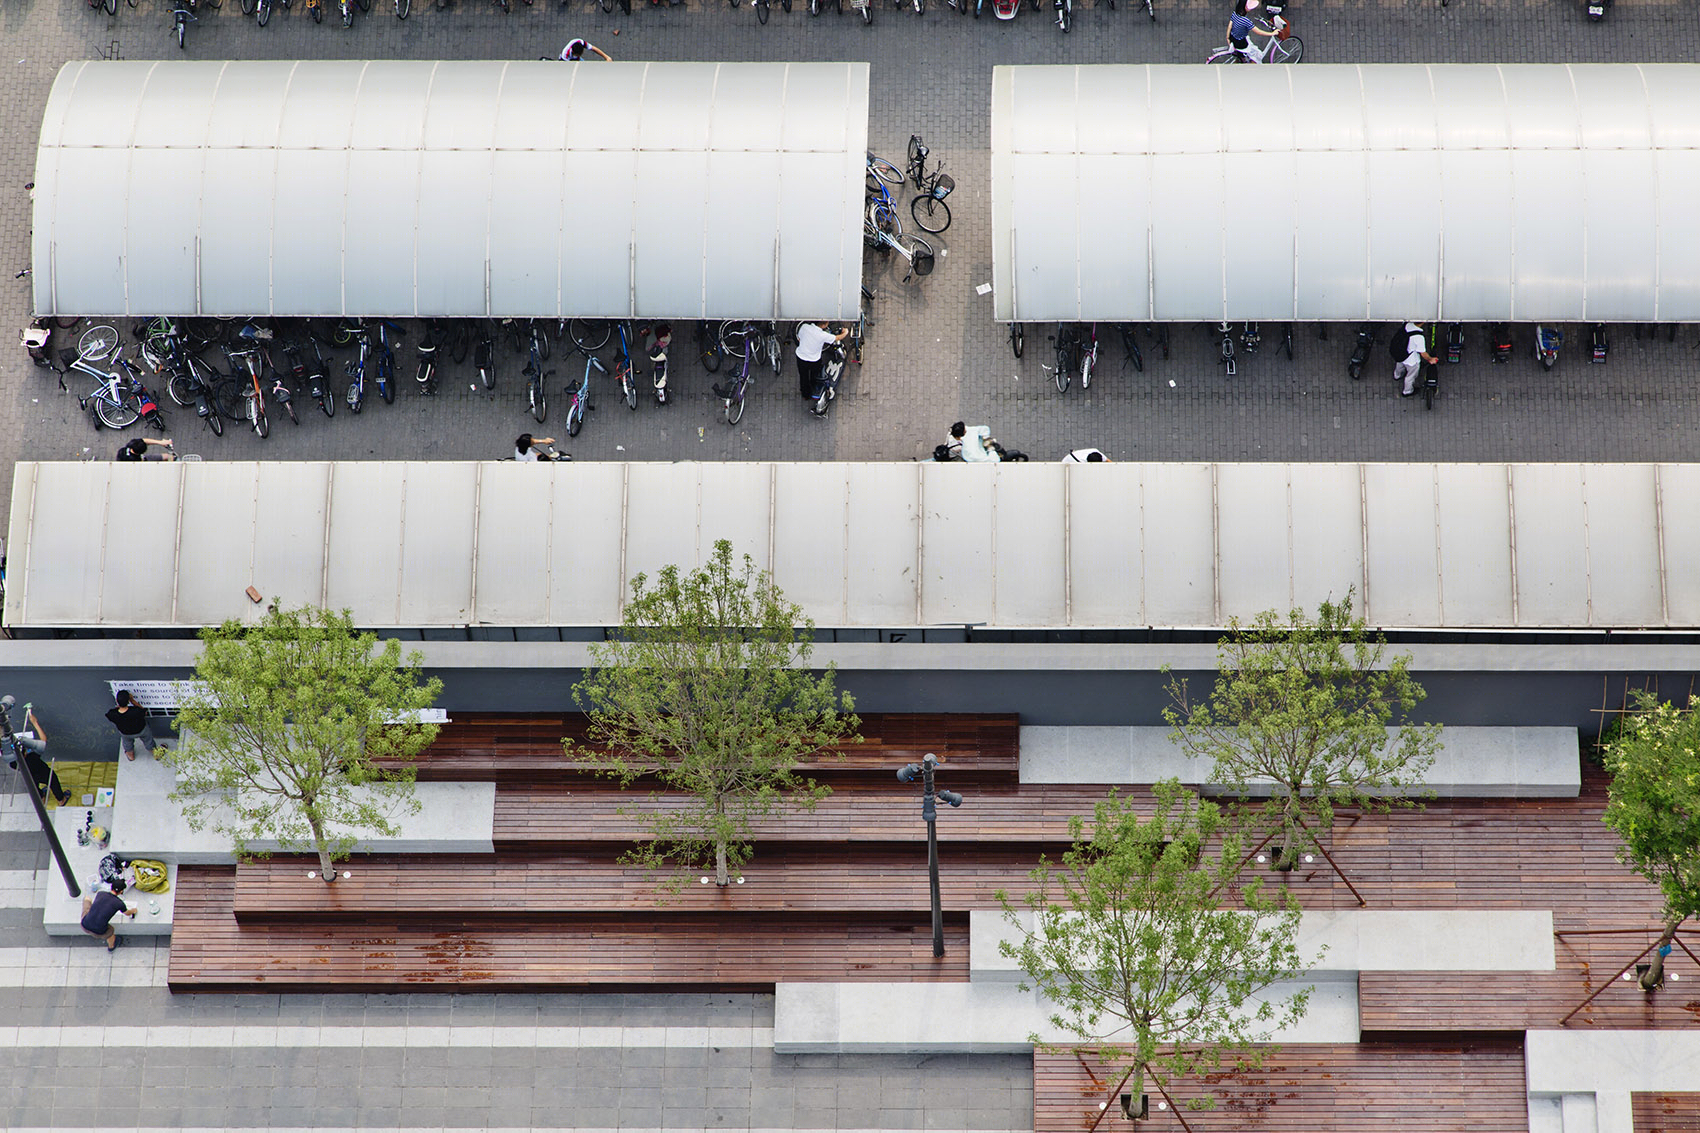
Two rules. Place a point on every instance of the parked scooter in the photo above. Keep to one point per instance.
(657, 352)
(1597, 10)
(1003, 9)
(1599, 344)
(1454, 344)
(1360, 352)
(37, 339)
(1500, 343)
(1547, 341)
(426, 376)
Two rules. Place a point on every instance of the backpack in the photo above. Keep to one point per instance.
(112, 868)
(1400, 344)
(151, 876)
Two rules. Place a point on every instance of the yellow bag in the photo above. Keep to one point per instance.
(151, 876)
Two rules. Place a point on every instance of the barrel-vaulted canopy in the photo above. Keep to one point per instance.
(867, 546)
(1529, 192)
(540, 189)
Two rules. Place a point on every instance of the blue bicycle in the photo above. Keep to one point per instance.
(623, 369)
(579, 402)
(384, 359)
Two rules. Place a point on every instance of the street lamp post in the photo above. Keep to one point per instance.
(929, 812)
(11, 741)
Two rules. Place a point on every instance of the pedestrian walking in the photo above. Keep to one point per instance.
(131, 720)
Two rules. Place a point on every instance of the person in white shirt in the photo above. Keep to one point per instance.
(812, 341)
(1416, 353)
(1085, 456)
(575, 49)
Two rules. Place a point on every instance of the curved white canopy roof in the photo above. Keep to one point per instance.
(656, 190)
(912, 544)
(1463, 192)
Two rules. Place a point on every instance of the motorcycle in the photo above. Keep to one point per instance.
(1499, 335)
(1597, 10)
(427, 374)
(1547, 341)
(1003, 9)
(1597, 338)
(1454, 344)
(1360, 352)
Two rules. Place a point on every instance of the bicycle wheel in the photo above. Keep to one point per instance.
(1017, 338)
(1225, 57)
(733, 335)
(1088, 360)
(1065, 372)
(462, 345)
(542, 343)
(365, 5)
(356, 398)
(115, 416)
(539, 400)
(215, 421)
(386, 388)
(318, 11)
(631, 392)
(402, 8)
(180, 27)
(575, 416)
(735, 408)
(917, 172)
(1066, 15)
(761, 12)
(867, 11)
(97, 343)
(261, 425)
(932, 214)
(181, 390)
(785, 4)
(112, 7)
(327, 404)
(589, 335)
(1292, 50)
(66, 323)
(885, 170)
(227, 399)
(1428, 396)
(248, 7)
(264, 13)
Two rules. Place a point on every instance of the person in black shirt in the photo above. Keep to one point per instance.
(131, 720)
(99, 910)
(137, 449)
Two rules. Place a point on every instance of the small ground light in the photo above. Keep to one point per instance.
(1309, 858)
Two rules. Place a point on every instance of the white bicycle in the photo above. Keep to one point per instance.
(1282, 46)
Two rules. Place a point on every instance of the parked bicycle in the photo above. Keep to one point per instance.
(536, 395)
(882, 232)
(182, 15)
(738, 341)
(623, 367)
(928, 207)
(578, 402)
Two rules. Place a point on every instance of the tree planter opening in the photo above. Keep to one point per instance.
(1139, 1112)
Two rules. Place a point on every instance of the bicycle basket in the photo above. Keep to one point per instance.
(923, 263)
(942, 188)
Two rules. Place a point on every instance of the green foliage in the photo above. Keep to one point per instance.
(1307, 705)
(283, 735)
(1128, 946)
(707, 688)
(1654, 799)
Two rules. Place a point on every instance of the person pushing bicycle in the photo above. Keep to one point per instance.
(1241, 29)
(575, 49)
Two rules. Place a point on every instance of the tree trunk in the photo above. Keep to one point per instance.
(1654, 976)
(722, 876)
(327, 868)
(1290, 837)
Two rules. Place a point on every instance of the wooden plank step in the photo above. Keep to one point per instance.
(554, 888)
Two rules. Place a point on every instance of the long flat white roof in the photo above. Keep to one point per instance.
(1112, 546)
(533, 189)
(1471, 192)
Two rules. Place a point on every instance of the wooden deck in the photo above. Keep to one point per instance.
(978, 748)
(1666, 1113)
(212, 951)
(1432, 1086)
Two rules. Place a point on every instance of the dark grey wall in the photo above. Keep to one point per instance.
(71, 702)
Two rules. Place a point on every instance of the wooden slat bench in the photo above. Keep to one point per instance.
(1436, 1086)
(557, 888)
(874, 811)
(976, 748)
(211, 950)
(1666, 1113)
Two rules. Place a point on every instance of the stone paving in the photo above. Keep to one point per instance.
(934, 356)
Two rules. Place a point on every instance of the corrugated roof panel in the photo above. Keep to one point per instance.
(462, 106)
(1477, 220)
(58, 575)
(308, 265)
(1399, 528)
(364, 543)
(215, 541)
(1331, 228)
(1678, 236)
(389, 113)
(1551, 246)
(1044, 218)
(1031, 578)
(1469, 107)
(810, 549)
(1255, 558)
(452, 237)
(1475, 543)
(1679, 503)
(1550, 524)
(288, 560)
(1618, 221)
(1180, 551)
(1673, 90)
(134, 546)
(1399, 110)
(737, 507)
(1190, 248)
(1333, 101)
(1404, 235)
(439, 517)
(586, 578)
(1261, 283)
(235, 235)
(1540, 107)
(663, 514)
(1105, 559)
(1328, 536)
(883, 543)
(958, 547)
(1623, 544)
(519, 506)
(378, 268)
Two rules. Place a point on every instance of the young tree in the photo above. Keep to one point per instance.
(1306, 705)
(707, 688)
(1654, 806)
(1133, 955)
(285, 730)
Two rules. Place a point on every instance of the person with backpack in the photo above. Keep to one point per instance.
(1410, 351)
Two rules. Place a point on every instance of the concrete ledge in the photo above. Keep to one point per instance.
(455, 818)
(62, 914)
(1601, 1061)
(1471, 763)
(980, 1018)
(1357, 940)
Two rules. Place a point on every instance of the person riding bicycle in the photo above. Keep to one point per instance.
(574, 51)
(1241, 28)
(529, 449)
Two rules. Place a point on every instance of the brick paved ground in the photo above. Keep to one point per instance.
(934, 354)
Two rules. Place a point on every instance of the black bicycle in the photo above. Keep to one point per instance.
(928, 207)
